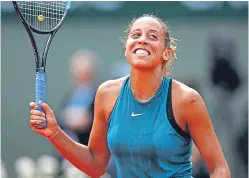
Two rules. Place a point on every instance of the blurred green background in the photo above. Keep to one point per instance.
(99, 26)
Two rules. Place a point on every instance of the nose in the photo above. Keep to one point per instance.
(142, 40)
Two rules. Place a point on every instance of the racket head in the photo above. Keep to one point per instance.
(42, 17)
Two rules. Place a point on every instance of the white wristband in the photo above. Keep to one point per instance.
(54, 134)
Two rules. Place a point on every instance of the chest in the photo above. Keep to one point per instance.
(145, 134)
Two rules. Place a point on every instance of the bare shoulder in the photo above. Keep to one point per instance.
(190, 105)
(185, 94)
(108, 93)
(110, 86)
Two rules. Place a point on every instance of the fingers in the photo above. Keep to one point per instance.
(46, 108)
(35, 122)
(33, 106)
(37, 113)
(35, 117)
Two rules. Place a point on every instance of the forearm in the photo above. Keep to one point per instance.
(77, 154)
(220, 172)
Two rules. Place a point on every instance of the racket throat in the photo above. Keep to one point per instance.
(40, 70)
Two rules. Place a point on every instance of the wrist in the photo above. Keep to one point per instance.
(55, 133)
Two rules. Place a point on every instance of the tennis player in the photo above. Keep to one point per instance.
(146, 121)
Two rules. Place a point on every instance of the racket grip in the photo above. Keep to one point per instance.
(40, 93)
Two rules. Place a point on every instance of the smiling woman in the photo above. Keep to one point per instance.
(169, 42)
(146, 121)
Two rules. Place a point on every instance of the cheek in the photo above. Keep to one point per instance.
(130, 44)
(158, 49)
(127, 51)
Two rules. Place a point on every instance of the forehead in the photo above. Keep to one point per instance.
(147, 23)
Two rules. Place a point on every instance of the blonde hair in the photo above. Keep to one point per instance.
(170, 43)
(168, 65)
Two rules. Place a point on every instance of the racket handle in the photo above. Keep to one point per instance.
(40, 93)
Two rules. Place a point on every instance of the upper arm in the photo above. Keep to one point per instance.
(98, 137)
(202, 131)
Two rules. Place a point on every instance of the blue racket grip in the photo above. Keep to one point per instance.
(40, 93)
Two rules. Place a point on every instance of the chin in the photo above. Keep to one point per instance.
(142, 62)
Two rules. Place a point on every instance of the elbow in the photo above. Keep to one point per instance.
(225, 173)
(101, 173)
(221, 172)
(96, 173)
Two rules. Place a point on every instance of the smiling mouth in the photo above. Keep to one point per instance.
(142, 52)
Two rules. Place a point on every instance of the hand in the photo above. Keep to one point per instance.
(36, 117)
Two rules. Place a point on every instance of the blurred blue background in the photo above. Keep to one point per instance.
(212, 58)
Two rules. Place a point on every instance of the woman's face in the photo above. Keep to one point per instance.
(145, 47)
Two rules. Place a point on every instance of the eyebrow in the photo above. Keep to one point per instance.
(150, 30)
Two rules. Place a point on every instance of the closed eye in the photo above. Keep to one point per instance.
(136, 34)
(154, 37)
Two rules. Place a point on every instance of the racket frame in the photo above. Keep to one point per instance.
(52, 33)
(40, 68)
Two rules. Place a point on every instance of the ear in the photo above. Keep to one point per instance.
(166, 54)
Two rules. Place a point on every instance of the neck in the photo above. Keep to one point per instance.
(144, 84)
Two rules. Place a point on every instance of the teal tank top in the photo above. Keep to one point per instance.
(144, 139)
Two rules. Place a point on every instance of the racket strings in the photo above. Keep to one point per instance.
(43, 15)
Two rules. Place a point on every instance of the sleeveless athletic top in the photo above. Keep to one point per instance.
(144, 138)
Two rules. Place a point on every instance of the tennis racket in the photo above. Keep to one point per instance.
(42, 18)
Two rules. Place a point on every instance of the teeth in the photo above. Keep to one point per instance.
(142, 52)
